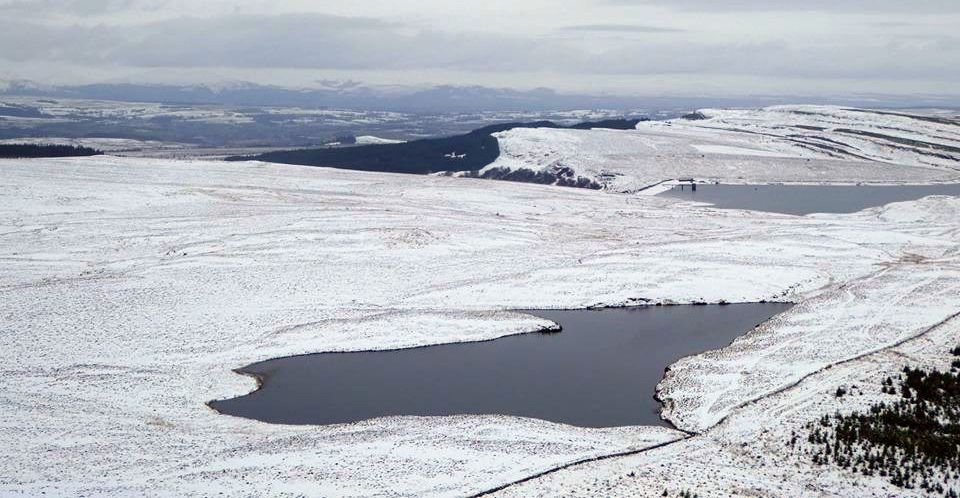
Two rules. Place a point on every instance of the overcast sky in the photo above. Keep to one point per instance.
(638, 47)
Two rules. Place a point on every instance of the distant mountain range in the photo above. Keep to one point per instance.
(354, 95)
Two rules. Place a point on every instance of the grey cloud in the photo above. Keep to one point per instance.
(74, 7)
(313, 41)
(891, 24)
(906, 59)
(620, 28)
(849, 6)
(279, 41)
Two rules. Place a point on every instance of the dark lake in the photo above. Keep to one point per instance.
(806, 199)
(600, 371)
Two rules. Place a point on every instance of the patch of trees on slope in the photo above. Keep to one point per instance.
(25, 151)
(469, 152)
(911, 439)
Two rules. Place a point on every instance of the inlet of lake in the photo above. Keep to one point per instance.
(806, 199)
(601, 370)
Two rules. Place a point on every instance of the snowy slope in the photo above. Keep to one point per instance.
(372, 140)
(132, 287)
(774, 144)
(745, 453)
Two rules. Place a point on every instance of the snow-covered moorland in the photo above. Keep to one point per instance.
(812, 144)
(132, 287)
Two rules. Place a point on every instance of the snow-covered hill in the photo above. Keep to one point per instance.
(774, 144)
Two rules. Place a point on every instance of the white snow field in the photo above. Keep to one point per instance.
(373, 140)
(132, 287)
(810, 144)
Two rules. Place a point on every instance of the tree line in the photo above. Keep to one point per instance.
(24, 151)
(912, 440)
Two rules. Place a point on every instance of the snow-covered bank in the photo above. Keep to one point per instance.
(812, 144)
(747, 454)
(132, 287)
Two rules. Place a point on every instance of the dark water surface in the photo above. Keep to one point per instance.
(600, 371)
(806, 199)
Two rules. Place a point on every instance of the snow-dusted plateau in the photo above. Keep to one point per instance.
(797, 144)
(131, 289)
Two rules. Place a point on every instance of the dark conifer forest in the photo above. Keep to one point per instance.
(22, 151)
(468, 152)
